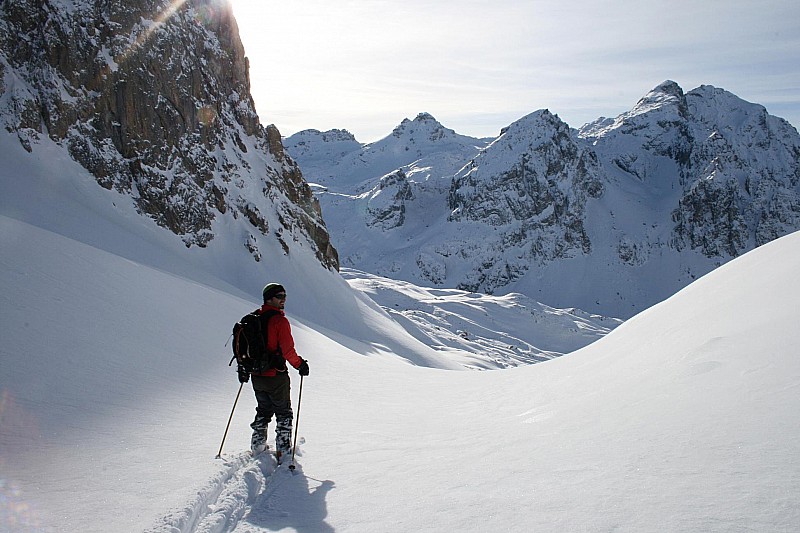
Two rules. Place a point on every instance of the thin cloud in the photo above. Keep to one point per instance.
(365, 65)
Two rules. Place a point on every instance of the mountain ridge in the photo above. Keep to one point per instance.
(611, 217)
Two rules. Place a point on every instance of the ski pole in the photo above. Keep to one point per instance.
(297, 423)
(219, 454)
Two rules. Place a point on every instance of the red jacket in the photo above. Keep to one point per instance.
(279, 334)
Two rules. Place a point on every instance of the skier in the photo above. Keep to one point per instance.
(272, 387)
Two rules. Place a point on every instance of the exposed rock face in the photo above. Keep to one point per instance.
(386, 207)
(744, 176)
(153, 98)
(536, 203)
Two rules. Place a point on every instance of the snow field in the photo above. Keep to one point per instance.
(683, 418)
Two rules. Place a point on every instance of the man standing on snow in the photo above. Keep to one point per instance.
(272, 386)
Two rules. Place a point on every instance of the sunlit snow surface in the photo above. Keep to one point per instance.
(483, 331)
(115, 392)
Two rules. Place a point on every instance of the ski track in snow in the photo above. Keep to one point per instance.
(224, 502)
(245, 498)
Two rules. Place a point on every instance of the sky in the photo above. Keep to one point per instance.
(477, 65)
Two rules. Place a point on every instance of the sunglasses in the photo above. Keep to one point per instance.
(281, 296)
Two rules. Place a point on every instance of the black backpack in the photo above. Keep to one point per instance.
(250, 343)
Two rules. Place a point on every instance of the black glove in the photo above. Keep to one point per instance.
(244, 375)
(303, 368)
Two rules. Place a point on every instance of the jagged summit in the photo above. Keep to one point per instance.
(334, 135)
(666, 93)
(533, 128)
(423, 130)
(664, 90)
(667, 100)
(424, 127)
(667, 97)
(323, 147)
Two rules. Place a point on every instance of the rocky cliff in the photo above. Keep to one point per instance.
(153, 98)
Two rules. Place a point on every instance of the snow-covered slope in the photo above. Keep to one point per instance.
(611, 218)
(115, 394)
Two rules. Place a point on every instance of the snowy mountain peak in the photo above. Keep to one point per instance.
(421, 118)
(663, 106)
(422, 130)
(665, 89)
(534, 128)
(668, 97)
(667, 93)
(323, 146)
(721, 110)
(529, 189)
(423, 148)
(330, 136)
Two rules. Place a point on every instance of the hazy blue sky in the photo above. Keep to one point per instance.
(477, 66)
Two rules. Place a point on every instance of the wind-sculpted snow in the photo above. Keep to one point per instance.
(483, 331)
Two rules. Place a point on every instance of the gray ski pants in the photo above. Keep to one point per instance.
(273, 397)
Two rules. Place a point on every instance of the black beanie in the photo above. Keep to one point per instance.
(271, 290)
